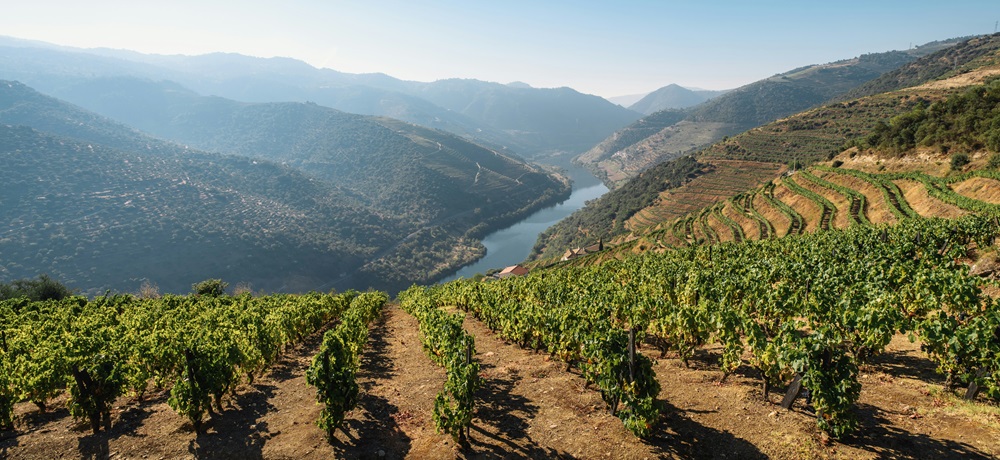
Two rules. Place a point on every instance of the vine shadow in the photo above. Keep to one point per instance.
(236, 432)
(94, 446)
(878, 436)
(506, 414)
(376, 427)
(901, 364)
(682, 437)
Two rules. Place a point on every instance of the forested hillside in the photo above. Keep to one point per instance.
(430, 194)
(99, 218)
(413, 172)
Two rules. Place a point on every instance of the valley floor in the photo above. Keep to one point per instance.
(529, 406)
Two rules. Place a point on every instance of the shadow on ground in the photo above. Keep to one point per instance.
(499, 429)
(375, 428)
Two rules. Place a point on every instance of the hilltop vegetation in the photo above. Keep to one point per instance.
(969, 121)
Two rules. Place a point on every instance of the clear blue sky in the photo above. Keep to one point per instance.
(604, 48)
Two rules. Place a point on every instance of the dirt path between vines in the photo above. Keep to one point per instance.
(529, 407)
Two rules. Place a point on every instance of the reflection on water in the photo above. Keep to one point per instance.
(512, 245)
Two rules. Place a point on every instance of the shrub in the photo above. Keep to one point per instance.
(994, 161)
(210, 287)
(958, 160)
(43, 288)
(148, 290)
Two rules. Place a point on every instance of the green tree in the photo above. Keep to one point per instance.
(210, 287)
(959, 160)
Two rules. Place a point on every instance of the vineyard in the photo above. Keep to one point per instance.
(819, 310)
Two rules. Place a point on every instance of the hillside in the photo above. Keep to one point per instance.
(672, 97)
(441, 200)
(746, 107)
(813, 135)
(99, 218)
(435, 174)
(536, 123)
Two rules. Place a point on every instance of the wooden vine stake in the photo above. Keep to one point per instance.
(631, 355)
(973, 389)
(794, 390)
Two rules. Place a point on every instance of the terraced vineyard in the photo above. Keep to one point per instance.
(725, 179)
(823, 197)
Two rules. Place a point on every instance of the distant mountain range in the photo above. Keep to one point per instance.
(310, 198)
(535, 123)
(738, 110)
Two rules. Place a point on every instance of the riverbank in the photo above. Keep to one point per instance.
(513, 244)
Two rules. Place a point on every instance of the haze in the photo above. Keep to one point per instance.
(631, 47)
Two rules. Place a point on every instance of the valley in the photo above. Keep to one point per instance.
(802, 267)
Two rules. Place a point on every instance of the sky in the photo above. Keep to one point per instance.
(597, 47)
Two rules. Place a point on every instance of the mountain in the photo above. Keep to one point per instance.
(431, 194)
(747, 107)
(743, 162)
(399, 168)
(515, 117)
(672, 97)
(542, 120)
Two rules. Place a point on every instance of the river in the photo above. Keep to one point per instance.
(512, 245)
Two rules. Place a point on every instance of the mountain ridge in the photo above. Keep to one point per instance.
(252, 79)
(743, 108)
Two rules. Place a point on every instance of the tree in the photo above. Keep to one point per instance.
(43, 288)
(994, 161)
(959, 160)
(210, 287)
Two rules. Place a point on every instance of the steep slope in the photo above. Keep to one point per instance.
(744, 108)
(100, 218)
(764, 152)
(402, 169)
(672, 97)
(448, 192)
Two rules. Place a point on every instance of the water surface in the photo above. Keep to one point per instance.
(512, 245)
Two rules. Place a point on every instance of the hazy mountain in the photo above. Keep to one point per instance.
(398, 167)
(542, 120)
(417, 199)
(672, 97)
(495, 114)
(744, 108)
